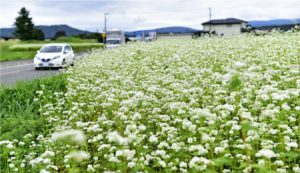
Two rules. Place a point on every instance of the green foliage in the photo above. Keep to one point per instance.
(235, 83)
(59, 34)
(35, 47)
(38, 34)
(7, 54)
(95, 36)
(222, 162)
(25, 28)
(24, 25)
(19, 112)
(75, 39)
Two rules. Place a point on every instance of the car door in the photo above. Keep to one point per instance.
(72, 57)
(67, 53)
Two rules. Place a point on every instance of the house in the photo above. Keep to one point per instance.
(225, 27)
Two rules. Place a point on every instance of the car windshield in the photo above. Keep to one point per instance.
(113, 42)
(51, 49)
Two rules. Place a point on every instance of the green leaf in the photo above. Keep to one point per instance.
(219, 162)
(235, 83)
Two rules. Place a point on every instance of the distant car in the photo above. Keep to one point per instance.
(54, 56)
(113, 43)
(115, 38)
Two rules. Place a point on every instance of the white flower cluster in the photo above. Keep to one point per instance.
(78, 156)
(265, 153)
(209, 105)
(73, 136)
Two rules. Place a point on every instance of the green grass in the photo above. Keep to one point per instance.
(19, 113)
(7, 54)
(75, 40)
(34, 47)
(14, 49)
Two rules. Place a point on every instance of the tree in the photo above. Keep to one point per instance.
(60, 34)
(37, 34)
(24, 25)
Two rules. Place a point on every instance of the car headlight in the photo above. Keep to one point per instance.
(36, 57)
(56, 57)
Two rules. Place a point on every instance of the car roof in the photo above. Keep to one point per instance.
(57, 44)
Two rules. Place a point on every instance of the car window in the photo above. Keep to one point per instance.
(51, 49)
(68, 48)
(112, 41)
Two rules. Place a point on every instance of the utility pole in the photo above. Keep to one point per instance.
(209, 20)
(105, 28)
(105, 25)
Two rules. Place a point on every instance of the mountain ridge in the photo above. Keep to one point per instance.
(274, 22)
(163, 30)
(48, 30)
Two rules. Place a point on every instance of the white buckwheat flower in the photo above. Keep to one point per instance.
(265, 153)
(199, 148)
(79, 156)
(73, 136)
(153, 139)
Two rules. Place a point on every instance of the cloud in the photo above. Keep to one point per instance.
(139, 14)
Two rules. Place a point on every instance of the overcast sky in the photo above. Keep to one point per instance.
(144, 14)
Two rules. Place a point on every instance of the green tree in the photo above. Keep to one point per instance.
(37, 34)
(60, 34)
(24, 25)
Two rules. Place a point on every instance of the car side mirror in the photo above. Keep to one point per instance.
(66, 51)
(37, 51)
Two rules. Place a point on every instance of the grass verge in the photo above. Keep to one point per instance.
(14, 49)
(19, 113)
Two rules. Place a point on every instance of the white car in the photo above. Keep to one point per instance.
(54, 56)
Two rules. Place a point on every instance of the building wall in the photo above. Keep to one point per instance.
(244, 25)
(226, 29)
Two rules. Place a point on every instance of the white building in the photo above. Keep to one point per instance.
(225, 27)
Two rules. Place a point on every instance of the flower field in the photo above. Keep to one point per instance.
(208, 105)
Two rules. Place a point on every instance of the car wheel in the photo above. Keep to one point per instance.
(63, 64)
(73, 61)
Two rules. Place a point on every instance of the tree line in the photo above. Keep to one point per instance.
(25, 29)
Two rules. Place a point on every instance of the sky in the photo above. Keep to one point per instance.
(144, 14)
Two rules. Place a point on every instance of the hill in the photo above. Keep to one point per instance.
(49, 31)
(275, 22)
(280, 27)
(164, 30)
(175, 29)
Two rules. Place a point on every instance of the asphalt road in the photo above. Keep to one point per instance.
(13, 71)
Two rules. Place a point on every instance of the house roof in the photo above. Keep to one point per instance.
(223, 21)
